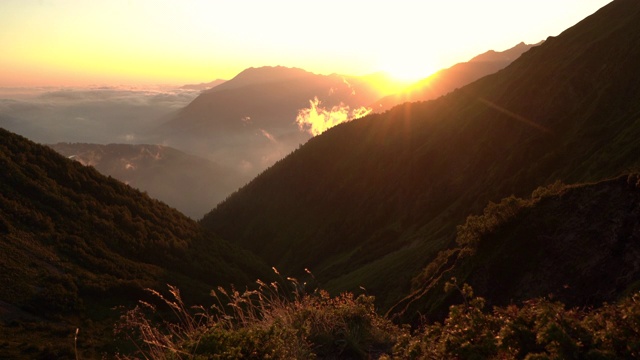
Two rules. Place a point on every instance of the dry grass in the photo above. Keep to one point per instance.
(281, 319)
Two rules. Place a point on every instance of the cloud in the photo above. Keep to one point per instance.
(268, 135)
(353, 91)
(97, 115)
(317, 119)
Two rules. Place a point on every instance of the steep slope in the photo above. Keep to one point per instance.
(189, 183)
(74, 244)
(577, 244)
(459, 75)
(372, 201)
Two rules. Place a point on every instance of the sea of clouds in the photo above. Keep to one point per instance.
(99, 115)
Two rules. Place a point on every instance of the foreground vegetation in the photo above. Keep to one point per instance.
(282, 320)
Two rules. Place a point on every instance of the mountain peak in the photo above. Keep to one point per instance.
(506, 55)
(264, 74)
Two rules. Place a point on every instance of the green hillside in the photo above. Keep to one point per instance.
(75, 244)
(372, 202)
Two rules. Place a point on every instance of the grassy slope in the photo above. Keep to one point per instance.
(74, 244)
(576, 244)
(565, 110)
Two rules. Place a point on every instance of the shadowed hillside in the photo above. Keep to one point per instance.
(371, 202)
(75, 244)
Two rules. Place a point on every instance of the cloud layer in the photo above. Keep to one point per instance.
(98, 115)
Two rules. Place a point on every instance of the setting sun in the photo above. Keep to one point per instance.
(407, 70)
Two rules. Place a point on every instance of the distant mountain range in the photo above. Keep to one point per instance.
(189, 183)
(268, 98)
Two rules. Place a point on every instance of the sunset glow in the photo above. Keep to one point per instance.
(76, 42)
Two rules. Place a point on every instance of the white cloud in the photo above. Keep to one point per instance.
(317, 119)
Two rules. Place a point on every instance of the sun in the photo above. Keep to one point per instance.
(407, 70)
(396, 74)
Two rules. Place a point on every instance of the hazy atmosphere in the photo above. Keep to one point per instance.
(73, 42)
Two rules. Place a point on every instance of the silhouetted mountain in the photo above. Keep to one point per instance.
(457, 76)
(371, 202)
(189, 183)
(249, 122)
(203, 86)
(268, 98)
(75, 243)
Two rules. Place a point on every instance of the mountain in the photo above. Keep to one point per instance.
(189, 183)
(576, 244)
(372, 202)
(459, 75)
(249, 122)
(75, 244)
(203, 86)
(268, 98)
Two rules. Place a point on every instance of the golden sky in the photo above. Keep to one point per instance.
(115, 42)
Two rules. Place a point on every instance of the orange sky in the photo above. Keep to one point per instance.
(114, 42)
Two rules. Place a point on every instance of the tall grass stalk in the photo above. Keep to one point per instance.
(282, 319)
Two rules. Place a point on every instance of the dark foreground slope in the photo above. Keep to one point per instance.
(74, 244)
(372, 201)
(576, 244)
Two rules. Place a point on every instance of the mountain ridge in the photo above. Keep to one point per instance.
(458, 75)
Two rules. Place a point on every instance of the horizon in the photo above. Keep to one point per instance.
(68, 43)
